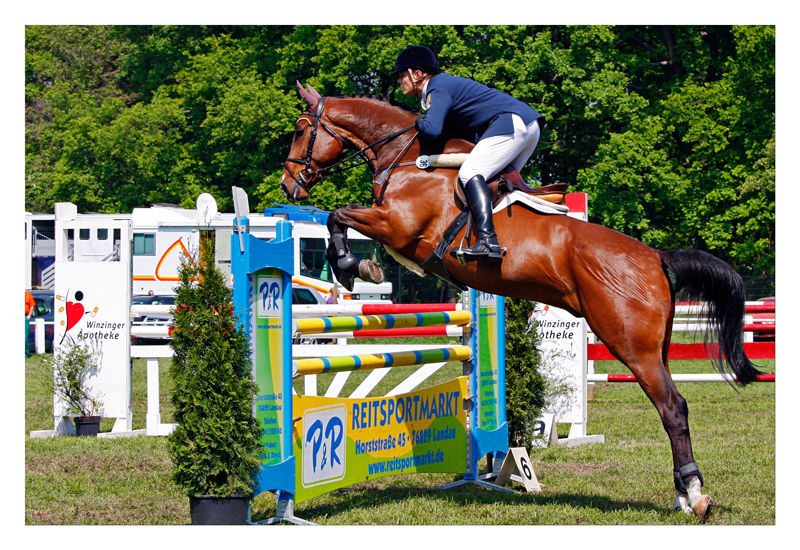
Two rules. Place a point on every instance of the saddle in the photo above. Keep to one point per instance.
(505, 182)
(510, 180)
(500, 186)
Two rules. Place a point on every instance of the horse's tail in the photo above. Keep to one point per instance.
(697, 275)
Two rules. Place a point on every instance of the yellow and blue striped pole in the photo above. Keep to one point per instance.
(321, 325)
(302, 367)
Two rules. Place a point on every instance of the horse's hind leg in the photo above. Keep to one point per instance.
(655, 380)
(636, 326)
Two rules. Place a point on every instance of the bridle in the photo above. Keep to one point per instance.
(304, 176)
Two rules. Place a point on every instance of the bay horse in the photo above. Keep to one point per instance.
(624, 289)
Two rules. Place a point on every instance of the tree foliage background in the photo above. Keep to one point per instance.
(670, 129)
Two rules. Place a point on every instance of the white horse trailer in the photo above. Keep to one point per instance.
(40, 250)
(162, 235)
(87, 245)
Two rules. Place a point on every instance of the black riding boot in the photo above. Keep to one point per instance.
(480, 204)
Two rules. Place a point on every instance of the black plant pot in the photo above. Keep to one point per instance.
(87, 425)
(230, 510)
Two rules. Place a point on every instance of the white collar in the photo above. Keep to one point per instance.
(425, 106)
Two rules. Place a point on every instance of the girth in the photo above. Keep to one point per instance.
(435, 262)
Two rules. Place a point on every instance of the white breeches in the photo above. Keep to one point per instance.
(493, 154)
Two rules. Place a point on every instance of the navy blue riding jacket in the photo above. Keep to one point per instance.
(469, 109)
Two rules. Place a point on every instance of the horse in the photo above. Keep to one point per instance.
(624, 289)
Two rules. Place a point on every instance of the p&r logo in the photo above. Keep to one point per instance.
(269, 296)
(323, 443)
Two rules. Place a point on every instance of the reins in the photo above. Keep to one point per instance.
(304, 176)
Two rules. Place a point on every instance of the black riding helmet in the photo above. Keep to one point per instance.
(416, 57)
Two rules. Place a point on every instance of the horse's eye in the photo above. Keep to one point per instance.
(299, 133)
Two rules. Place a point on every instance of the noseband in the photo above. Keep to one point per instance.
(304, 176)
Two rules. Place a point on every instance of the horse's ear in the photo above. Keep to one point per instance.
(313, 92)
(311, 96)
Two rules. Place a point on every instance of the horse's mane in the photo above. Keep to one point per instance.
(380, 97)
(456, 144)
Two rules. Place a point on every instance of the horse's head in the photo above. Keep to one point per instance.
(315, 146)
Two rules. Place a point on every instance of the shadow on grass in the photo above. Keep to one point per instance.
(350, 500)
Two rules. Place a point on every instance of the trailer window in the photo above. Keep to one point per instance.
(144, 244)
(312, 259)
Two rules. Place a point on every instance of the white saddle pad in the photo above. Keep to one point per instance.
(531, 201)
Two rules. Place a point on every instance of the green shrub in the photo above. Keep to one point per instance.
(67, 373)
(525, 386)
(215, 448)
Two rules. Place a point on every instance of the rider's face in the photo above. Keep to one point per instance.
(406, 83)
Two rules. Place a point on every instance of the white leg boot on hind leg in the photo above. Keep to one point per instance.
(701, 504)
(682, 503)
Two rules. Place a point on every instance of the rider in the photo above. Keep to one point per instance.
(504, 129)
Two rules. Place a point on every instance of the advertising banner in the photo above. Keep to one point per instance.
(268, 328)
(99, 314)
(563, 348)
(340, 442)
(488, 382)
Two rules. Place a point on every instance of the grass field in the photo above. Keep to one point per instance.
(625, 481)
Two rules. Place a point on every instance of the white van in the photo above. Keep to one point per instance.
(161, 234)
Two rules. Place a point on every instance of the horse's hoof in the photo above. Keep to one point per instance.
(703, 507)
(371, 272)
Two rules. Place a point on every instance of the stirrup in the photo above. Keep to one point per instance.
(491, 253)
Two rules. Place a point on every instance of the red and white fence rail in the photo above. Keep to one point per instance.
(753, 350)
(770, 377)
(693, 310)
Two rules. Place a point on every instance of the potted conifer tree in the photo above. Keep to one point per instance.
(216, 445)
(69, 368)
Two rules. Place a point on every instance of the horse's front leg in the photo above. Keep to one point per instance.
(345, 265)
